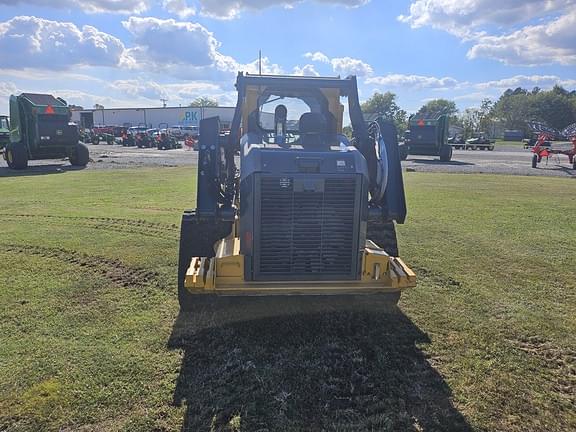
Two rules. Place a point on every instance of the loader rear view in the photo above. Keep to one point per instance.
(307, 212)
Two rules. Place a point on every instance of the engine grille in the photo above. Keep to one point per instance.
(308, 228)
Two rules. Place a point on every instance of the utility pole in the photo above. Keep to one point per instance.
(163, 102)
(260, 62)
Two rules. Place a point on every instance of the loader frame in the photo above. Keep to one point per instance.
(211, 260)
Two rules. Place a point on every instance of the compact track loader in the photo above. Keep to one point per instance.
(307, 212)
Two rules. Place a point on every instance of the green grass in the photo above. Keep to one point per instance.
(510, 143)
(90, 337)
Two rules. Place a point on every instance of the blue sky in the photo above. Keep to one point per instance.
(136, 52)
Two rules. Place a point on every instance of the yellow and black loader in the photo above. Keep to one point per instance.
(288, 205)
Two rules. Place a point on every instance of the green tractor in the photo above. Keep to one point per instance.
(41, 129)
(4, 131)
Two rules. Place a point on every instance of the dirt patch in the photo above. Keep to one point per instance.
(128, 226)
(436, 278)
(113, 270)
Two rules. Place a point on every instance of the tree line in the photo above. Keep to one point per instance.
(513, 109)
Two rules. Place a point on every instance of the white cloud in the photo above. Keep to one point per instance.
(457, 16)
(140, 88)
(351, 66)
(553, 42)
(89, 6)
(317, 57)
(341, 65)
(268, 67)
(39, 43)
(179, 8)
(170, 40)
(527, 81)
(230, 9)
(306, 70)
(412, 81)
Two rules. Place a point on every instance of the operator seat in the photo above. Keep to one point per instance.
(313, 130)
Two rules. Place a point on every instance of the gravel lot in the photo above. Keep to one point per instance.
(509, 160)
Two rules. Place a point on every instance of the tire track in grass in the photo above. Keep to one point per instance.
(561, 361)
(128, 226)
(111, 269)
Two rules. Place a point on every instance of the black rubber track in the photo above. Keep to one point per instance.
(384, 235)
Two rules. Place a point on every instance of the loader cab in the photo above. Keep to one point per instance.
(290, 116)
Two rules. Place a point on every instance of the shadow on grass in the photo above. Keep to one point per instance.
(292, 365)
(35, 170)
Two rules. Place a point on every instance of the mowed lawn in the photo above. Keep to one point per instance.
(90, 337)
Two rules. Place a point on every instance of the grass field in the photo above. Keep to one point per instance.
(90, 337)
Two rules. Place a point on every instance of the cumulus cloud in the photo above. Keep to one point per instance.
(140, 88)
(39, 43)
(230, 9)
(306, 70)
(170, 40)
(457, 16)
(553, 42)
(341, 65)
(183, 50)
(179, 8)
(89, 6)
(351, 66)
(317, 57)
(412, 81)
(527, 81)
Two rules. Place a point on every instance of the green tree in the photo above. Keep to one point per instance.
(200, 102)
(436, 107)
(553, 108)
(384, 104)
(513, 109)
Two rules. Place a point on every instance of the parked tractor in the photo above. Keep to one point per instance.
(478, 141)
(427, 137)
(41, 129)
(165, 140)
(307, 212)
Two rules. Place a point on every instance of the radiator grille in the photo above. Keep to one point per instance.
(305, 233)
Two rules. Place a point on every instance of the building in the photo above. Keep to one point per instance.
(150, 117)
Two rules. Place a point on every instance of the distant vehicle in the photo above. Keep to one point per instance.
(165, 140)
(103, 133)
(4, 131)
(457, 141)
(427, 137)
(183, 132)
(41, 129)
(153, 133)
(479, 142)
(533, 140)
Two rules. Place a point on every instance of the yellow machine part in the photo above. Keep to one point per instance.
(224, 275)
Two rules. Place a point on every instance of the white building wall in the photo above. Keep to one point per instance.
(153, 117)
